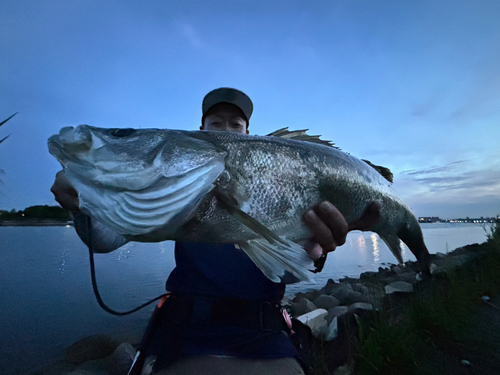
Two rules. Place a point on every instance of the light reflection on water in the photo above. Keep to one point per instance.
(62, 266)
(376, 250)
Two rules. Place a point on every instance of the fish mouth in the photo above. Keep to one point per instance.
(67, 151)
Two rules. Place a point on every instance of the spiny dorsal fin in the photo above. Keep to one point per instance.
(300, 135)
(385, 172)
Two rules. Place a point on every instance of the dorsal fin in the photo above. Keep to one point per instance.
(300, 135)
(385, 172)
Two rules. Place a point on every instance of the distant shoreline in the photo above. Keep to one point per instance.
(35, 223)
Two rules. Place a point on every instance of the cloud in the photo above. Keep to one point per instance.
(424, 109)
(459, 188)
(448, 167)
(188, 32)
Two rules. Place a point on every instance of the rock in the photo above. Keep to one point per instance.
(351, 297)
(358, 287)
(398, 286)
(56, 368)
(336, 312)
(439, 255)
(316, 320)
(301, 307)
(361, 306)
(310, 295)
(409, 277)
(79, 371)
(329, 287)
(344, 370)
(396, 269)
(341, 292)
(437, 270)
(120, 361)
(460, 260)
(368, 275)
(326, 302)
(90, 348)
(94, 367)
(332, 330)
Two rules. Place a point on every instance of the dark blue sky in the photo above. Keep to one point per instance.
(411, 85)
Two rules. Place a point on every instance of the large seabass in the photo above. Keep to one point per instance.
(152, 185)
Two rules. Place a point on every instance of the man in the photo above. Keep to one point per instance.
(223, 316)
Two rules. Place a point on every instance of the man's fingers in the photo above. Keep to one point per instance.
(64, 193)
(328, 226)
(321, 234)
(334, 220)
(313, 249)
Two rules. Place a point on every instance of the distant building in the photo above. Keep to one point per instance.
(429, 219)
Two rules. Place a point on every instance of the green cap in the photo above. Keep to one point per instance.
(228, 95)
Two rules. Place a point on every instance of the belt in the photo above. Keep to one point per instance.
(199, 310)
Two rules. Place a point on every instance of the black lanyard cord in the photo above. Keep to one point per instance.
(94, 282)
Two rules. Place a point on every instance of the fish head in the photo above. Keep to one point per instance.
(129, 158)
(137, 180)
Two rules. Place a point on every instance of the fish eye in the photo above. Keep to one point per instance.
(122, 132)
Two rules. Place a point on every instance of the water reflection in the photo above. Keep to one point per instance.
(62, 265)
(163, 246)
(362, 243)
(403, 248)
(376, 247)
(123, 254)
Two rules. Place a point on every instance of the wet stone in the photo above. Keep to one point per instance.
(361, 306)
(90, 348)
(336, 312)
(358, 287)
(326, 302)
(120, 361)
(301, 307)
(398, 286)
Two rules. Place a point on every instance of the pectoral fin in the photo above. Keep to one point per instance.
(275, 256)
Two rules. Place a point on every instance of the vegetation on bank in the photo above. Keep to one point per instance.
(427, 331)
(3, 122)
(52, 213)
(4, 138)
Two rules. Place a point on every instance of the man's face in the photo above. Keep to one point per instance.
(226, 118)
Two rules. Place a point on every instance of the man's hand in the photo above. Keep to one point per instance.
(329, 227)
(64, 193)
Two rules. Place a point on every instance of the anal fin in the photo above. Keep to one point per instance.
(273, 255)
(275, 260)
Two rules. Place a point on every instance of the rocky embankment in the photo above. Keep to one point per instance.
(321, 309)
(327, 311)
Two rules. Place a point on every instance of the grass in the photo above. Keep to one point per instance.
(427, 333)
(3, 122)
(4, 138)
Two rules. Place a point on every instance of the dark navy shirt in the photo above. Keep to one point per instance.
(220, 271)
(224, 271)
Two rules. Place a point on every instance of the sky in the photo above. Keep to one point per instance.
(410, 85)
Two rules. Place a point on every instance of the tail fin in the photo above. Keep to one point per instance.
(392, 241)
(413, 238)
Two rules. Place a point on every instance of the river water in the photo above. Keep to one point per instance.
(46, 296)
